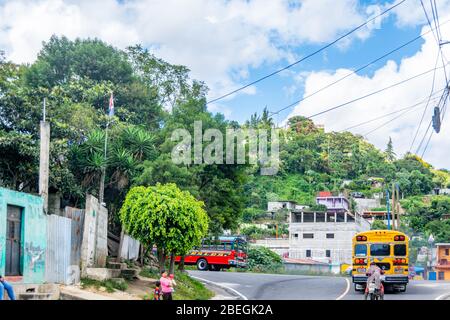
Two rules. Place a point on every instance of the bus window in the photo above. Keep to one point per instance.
(400, 250)
(228, 246)
(380, 249)
(360, 250)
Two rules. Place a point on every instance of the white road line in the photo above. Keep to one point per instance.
(442, 296)
(222, 286)
(346, 290)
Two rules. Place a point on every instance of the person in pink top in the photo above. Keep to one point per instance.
(166, 286)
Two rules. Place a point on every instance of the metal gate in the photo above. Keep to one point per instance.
(13, 241)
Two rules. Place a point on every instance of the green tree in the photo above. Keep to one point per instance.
(389, 152)
(378, 225)
(164, 216)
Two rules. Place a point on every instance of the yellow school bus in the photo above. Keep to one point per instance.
(389, 250)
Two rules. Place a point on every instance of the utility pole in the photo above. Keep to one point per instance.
(388, 209)
(397, 190)
(44, 158)
(394, 221)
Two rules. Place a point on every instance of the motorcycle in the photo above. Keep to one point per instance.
(373, 292)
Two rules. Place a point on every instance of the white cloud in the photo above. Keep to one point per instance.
(218, 40)
(401, 130)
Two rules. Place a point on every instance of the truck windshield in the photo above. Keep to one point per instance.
(381, 249)
(360, 250)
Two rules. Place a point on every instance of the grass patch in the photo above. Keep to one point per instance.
(109, 285)
(187, 288)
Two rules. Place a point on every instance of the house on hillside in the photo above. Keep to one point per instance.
(442, 265)
(325, 236)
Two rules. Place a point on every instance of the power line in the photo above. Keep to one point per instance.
(389, 121)
(356, 71)
(387, 114)
(307, 56)
(443, 111)
(443, 99)
(372, 93)
(426, 107)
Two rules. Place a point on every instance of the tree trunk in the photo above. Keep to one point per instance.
(142, 255)
(120, 246)
(172, 263)
(161, 259)
(181, 265)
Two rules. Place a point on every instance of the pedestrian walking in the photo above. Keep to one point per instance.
(166, 286)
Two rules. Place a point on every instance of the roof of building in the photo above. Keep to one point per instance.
(443, 244)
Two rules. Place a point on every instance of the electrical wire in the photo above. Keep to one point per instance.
(356, 71)
(388, 114)
(307, 56)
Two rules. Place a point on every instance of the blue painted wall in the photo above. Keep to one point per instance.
(34, 234)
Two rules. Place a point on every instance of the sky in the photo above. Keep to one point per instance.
(230, 43)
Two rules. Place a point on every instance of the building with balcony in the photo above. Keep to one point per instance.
(325, 236)
(442, 265)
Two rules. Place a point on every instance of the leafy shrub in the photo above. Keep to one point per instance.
(261, 259)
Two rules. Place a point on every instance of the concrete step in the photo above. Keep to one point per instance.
(129, 274)
(35, 296)
(102, 274)
(73, 293)
(116, 265)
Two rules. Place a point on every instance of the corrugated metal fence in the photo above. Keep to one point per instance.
(64, 237)
(58, 249)
(77, 217)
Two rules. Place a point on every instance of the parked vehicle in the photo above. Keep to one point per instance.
(222, 253)
(357, 195)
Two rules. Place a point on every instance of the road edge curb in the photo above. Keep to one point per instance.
(227, 289)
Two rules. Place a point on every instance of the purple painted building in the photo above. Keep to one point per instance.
(334, 203)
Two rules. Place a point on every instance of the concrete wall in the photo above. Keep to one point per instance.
(279, 246)
(340, 246)
(34, 235)
(366, 204)
(94, 248)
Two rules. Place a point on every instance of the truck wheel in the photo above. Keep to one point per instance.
(202, 265)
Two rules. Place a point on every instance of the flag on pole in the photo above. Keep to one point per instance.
(111, 105)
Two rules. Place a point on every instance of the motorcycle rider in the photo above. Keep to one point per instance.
(374, 275)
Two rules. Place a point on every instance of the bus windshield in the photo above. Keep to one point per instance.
(380, 249)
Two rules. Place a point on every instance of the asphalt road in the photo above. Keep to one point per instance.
(254, 286)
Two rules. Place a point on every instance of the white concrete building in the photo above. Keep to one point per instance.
(274, 206)
(324, 236)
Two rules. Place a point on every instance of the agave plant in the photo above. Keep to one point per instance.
(92, 168)
(139, 142)
(123, 165)
(95, 143)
